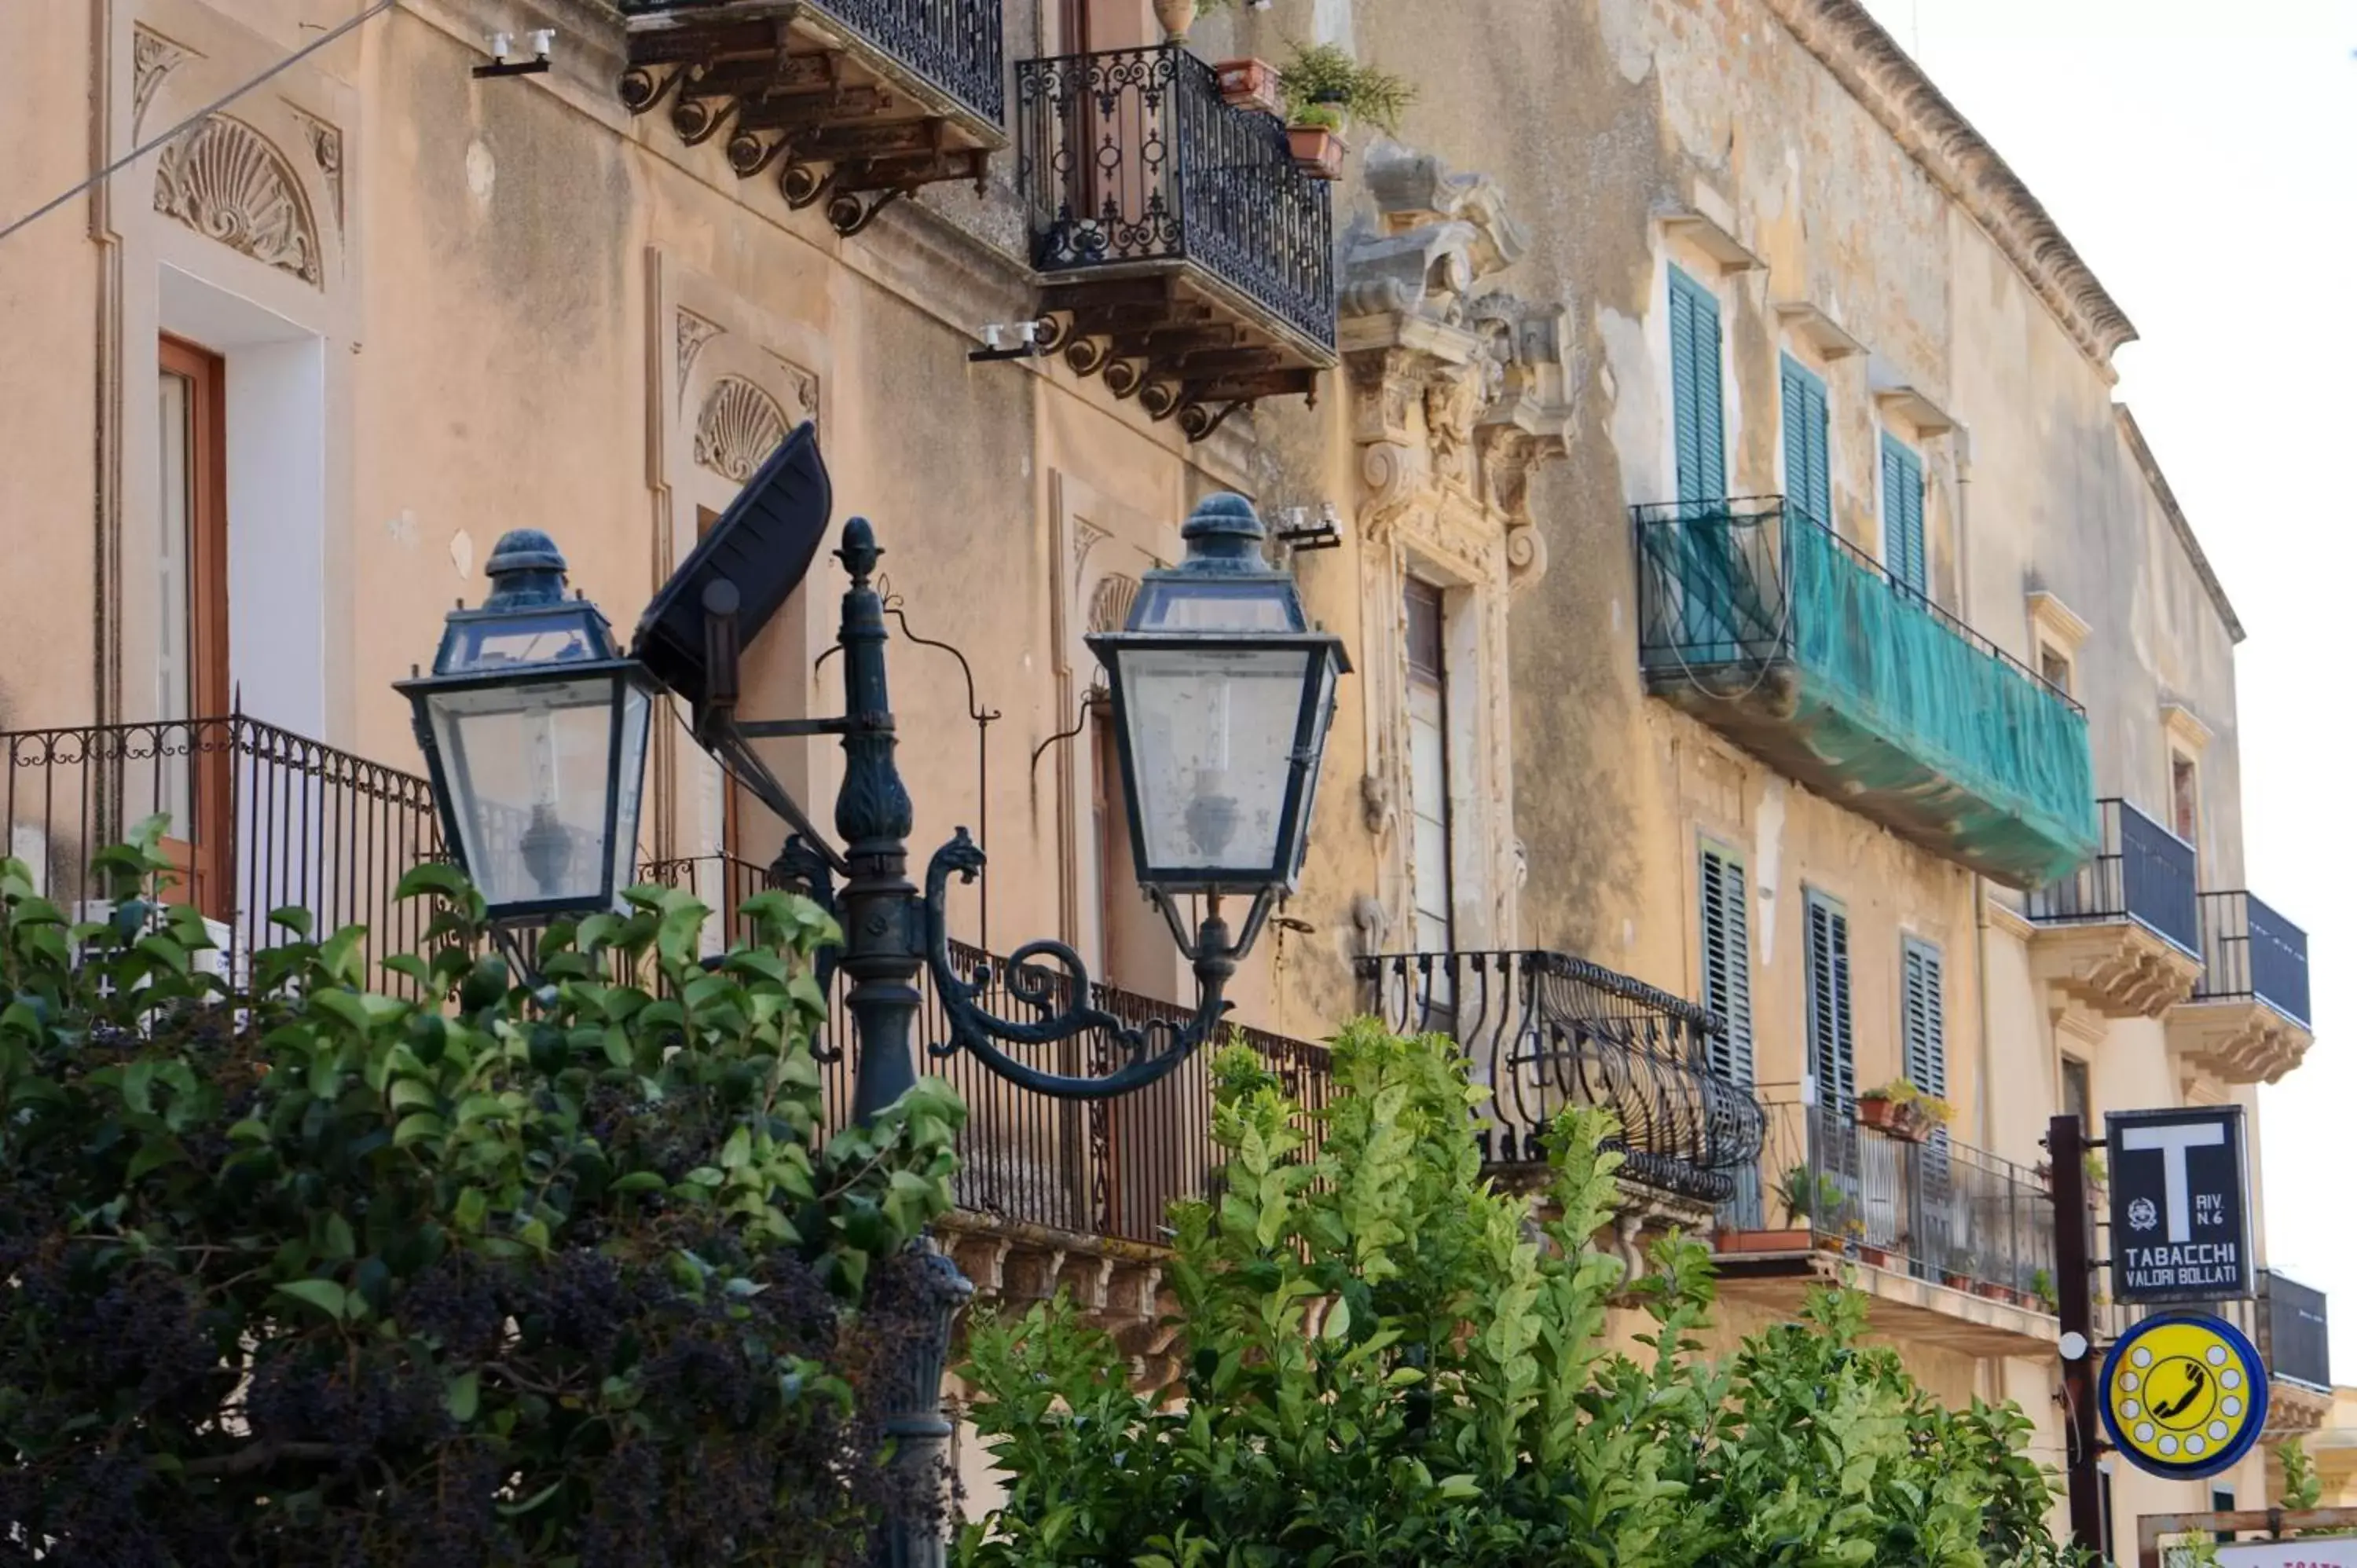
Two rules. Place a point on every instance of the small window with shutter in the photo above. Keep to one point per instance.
(1727, 962)
(1923, 1018)
(1808, 484)
(1698, 409)
(1902, 515)
(1833, 1041)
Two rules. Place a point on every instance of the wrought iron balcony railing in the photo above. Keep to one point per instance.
(958, 46)
(1546, 1031)
(262, 819)
(2143, 872)
(2250, 952)
(1940, 1211)
(1186, 254)
(1763, 623)
(2295, 1337)
(1106, 1169)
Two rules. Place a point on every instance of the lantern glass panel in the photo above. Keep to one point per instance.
(629, 784)
(1211, 736)
(1322, 716)
(531, 776)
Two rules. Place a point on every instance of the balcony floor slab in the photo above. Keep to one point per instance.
(2119, 969)
(1898, 1304)
(2235, 1040)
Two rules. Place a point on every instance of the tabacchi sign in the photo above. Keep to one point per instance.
(2181, 1226)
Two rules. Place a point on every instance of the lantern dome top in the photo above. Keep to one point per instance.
(1224, 531)
(525, 568)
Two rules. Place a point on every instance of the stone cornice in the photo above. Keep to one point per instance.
(1869, 63)
(2150, 468)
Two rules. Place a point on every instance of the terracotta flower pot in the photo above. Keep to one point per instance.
(1250, 84)
(1957, 1281)
(1175, 17)
(1318, 150)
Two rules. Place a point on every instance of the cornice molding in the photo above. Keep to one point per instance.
(2151, 467)
(1869, 63)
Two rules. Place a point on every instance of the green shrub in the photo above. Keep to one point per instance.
(1386, 1361)
(318, 1274)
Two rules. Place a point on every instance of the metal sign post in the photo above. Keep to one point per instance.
(2073, 1263)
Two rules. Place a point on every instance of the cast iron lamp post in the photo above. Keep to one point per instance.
(1222, 693)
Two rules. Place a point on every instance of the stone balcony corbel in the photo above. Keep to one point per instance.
(2235, 1040)
(2114, 969)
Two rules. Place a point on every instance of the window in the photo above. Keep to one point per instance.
(1808, 484)
(191, 553)
(1726, 961)
(2078, 1097)
(1902, 515)
(1832, 1044)
(2222, 1500)
(1698, 415)
(1427, 729)
(1923, 1022)
(2056, 669)
(2185, 797)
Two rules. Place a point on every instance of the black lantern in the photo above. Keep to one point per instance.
(535, 730)
(1221, 696)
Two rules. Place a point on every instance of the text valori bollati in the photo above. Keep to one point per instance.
(2194, 1265)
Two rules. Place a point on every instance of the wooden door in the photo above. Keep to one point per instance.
(193, 695)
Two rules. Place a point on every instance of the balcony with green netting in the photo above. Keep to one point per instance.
(1763, 624)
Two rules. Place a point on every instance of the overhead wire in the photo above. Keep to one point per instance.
(215, 107)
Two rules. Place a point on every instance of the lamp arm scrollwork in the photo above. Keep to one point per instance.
(1052, 981)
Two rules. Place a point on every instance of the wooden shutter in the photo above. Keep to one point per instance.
(1727, 962)
(1808, 480)
(1923, 1018)
(1698, 412)
(1902, 514)
(1832, 1047)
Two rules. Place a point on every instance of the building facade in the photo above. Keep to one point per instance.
(1781, 666)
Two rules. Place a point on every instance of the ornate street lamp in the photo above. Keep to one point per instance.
(535, 730)
(1222, 691)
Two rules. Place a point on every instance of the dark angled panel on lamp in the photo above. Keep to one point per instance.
(763, 544)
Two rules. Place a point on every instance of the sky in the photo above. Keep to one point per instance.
(2202, 157)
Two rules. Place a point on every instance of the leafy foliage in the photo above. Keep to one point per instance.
(319, 1274)
(1321, 78)
(1390, 1362)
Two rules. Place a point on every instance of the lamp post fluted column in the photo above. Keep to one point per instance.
(883, 953)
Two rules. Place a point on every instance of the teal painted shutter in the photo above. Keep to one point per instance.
(1833, 1045)
(1923, 1019)
(1808, 480)
(1902, 514)
(1727, 962)
(1696, 412)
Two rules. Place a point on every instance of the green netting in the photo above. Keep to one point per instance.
(1878, 657)
(1911, 715)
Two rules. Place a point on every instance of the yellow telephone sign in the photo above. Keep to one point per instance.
(2184, 1395)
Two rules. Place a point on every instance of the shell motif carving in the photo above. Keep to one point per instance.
(228, 183)
(737, 428)
(1109, 605)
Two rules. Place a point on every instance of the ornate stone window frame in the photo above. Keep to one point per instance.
(1456, 395)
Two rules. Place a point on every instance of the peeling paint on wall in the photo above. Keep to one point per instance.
(1768, 849)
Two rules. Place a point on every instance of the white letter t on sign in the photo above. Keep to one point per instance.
(2173, 1142)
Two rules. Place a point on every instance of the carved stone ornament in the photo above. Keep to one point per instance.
(693, 332)
(225, 181)
(1109, 605)
(327, 151)
(738, 426)
(153, 56)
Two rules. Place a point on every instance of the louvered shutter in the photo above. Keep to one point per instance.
(1808, 481)
(1694, 391)
(1833, 1050)
(1923, 1018)
(1902, 514)
(1727, 962)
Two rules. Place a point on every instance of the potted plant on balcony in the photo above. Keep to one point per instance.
(1800, 1194)
(2041, 1289)
(1902, 1110)
(1961, 1272)
(1324, 91)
